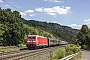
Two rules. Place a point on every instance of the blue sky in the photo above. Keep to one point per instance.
(73, 13)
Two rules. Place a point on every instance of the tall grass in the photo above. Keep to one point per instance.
(8, 48)
(11, 48)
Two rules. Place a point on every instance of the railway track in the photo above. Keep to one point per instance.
(25, 54)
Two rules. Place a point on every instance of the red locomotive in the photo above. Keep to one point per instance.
(35, 41)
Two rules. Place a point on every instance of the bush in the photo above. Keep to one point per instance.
(68, 50)
(71, 49)
(59, 54)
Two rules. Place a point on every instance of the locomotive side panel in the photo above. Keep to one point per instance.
(42, 41)
(36, 41)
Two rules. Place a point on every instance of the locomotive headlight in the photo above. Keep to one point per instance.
(33, 41)
(28, 41)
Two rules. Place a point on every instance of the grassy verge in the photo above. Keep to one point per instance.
(11, 48)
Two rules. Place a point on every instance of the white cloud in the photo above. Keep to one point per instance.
(52, 14)
(54, 22)
(57, 9)
(45, 0)
(74, 25)
(87, 21)
(54, 0)
(80, 25)
(49, 10)
(1, 1)
(32, 15)
(39, 9)
(63, 10)
(22, 13)
(67, 8)
(29, 11)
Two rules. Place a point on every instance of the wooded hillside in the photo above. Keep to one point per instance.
(60, 32)
(14, 29)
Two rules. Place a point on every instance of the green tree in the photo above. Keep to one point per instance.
(13, 27)
(1, 33)
(83, 37)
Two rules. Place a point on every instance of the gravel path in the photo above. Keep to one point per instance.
(86, 55)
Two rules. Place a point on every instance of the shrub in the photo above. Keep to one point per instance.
(71, 49)
(68, 50)
(59, 54)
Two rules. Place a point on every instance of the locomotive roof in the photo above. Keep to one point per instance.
(32, 35)
(36, 36)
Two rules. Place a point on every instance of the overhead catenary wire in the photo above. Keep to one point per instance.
(24, 6)
(16, 8)
(21, 4)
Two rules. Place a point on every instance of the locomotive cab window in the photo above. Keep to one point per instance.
(32, 37)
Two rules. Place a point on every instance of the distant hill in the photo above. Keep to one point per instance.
(60, 32)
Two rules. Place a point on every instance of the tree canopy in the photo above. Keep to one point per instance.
(13, 31)
(12, 26)
(83, 37)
